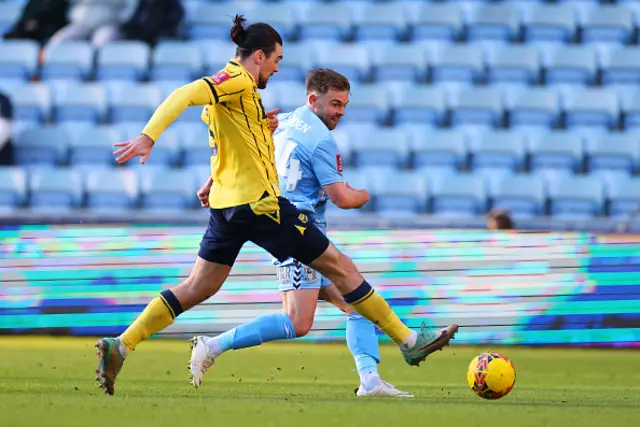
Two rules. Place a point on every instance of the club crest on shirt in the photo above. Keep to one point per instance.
(309, 275)
(339, 163)
(220, 77)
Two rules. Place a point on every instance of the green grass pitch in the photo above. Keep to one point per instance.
(49, 382)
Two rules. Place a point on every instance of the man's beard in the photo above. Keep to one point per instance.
(262, 82)
(329, 120)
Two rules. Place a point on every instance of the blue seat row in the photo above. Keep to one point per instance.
(92, 146)
(361, 146)
(566, 107)
(357, 20)
(114, 189)
(436, 62)
(499, 151)
(435, 192)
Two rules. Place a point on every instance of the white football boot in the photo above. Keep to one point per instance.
(201, 359)
(382, 389)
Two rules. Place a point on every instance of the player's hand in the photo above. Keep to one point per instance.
(140, 146)
(203, 193)
(273, 119)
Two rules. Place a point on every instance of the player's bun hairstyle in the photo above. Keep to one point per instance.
(259, 36)
(321, 80)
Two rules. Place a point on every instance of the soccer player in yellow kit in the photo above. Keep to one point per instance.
(246, 205)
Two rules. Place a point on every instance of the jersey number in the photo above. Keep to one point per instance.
(293, 174)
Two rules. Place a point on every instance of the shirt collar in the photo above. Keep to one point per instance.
(244, 70)
(313, 117)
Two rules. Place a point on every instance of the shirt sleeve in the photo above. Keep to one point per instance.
(192, 94)
(327, 164)
(225, 87)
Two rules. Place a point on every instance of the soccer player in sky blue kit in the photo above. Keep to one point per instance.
(310, 172)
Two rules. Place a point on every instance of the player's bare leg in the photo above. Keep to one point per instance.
(415, 347)
(301, 307)
(363, 345)
(204, 281)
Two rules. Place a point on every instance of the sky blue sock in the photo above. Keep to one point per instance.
(262, 329)
(363, 344)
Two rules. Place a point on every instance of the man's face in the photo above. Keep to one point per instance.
(330, 106)
(268, 65)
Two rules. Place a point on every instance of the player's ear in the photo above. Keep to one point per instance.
(259, 57)
(313, 99)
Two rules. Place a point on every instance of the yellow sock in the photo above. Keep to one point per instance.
(369, 304)
(159, 314)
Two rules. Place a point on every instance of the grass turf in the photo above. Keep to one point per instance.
(49, 382)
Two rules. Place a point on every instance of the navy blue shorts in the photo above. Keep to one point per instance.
(285, 233)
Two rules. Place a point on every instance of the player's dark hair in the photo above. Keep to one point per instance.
(321, 80)
(258, 36)
(503, 219)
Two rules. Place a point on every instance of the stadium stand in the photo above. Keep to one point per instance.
(461, 106)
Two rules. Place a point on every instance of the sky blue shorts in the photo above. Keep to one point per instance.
(293, 275)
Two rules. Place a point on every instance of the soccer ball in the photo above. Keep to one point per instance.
(491, 375)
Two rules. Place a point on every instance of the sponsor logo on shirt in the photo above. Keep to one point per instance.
(220, 77)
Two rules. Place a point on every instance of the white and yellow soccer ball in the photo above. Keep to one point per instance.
(491, 375)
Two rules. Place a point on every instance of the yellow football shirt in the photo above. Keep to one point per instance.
(242, 152)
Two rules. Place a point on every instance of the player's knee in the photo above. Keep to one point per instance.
(339, 267)
(201, 286)
(301, 324)
(196, 288)
(302, 329)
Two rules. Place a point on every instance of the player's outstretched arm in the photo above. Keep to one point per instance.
(346, 197)
(195, 93)
(327, 166)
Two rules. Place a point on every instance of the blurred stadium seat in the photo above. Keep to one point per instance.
(13, 188)
(623, 195)
(168, 190)
(326, 22)
(71, 60)
(373, 148)
(460, 195)
(123, 60)
(576, 197)
(404, 191)
(522, 195)
(18, 58)
(556, 151)
(550, 22)
(42, 146)
(56, 189)
(31, 102)
(113, 190)
(437, 21)
(176, 61)
(94, 146)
